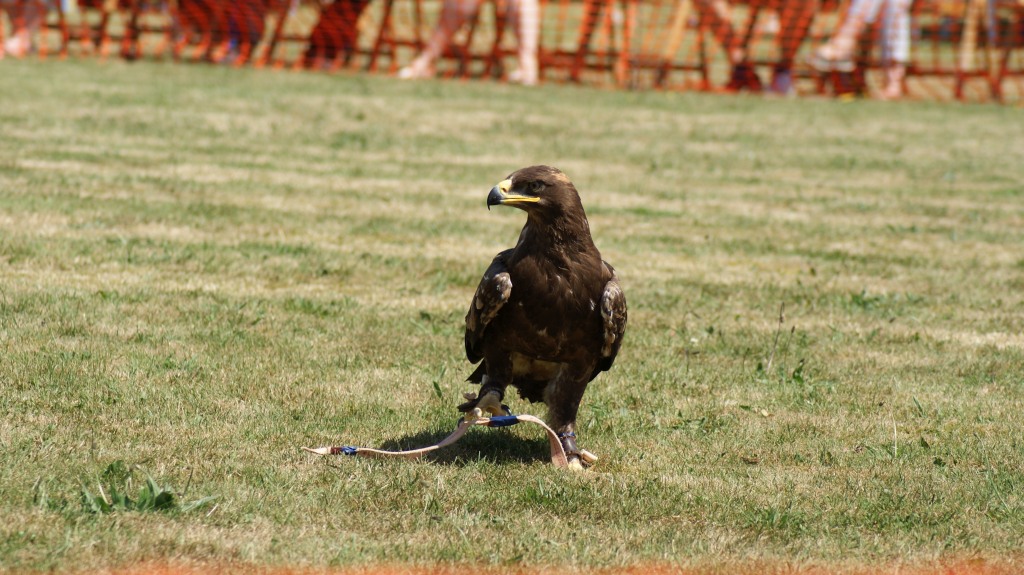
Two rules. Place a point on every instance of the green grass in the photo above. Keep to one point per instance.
(202, 270)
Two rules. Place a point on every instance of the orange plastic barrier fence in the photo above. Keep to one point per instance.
(962, 49)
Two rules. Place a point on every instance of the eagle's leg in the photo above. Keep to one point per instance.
(563, 396)
(488, 401)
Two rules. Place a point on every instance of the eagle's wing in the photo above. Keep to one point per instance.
(613, 312)
(490, 296)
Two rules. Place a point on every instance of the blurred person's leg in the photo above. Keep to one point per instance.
(895, 47)
(25, 18)
(837, 53)
(526, 15)
(6, 7)
(795, 17)
(717, 14)
(454, 14)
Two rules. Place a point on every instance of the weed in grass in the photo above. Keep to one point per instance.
(112, 492)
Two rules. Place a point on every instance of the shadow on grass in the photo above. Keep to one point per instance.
(495, 445)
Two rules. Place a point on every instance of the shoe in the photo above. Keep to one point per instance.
(411, 73)
(891, 93)
(847, 86)
(417, 71)
(18, 45)
(744, 78)
(894, 76)
(823, 60)
(525, 75)
(782, 82)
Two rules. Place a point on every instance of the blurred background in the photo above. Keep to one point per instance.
(968, 50)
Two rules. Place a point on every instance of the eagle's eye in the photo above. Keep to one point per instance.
(536, 187)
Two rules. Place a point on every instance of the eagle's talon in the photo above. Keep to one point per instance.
(490, 402)
(474, 415)
(471, 401)
(578, 459)
(588, 457)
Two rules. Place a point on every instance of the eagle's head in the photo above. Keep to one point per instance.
(539, 190)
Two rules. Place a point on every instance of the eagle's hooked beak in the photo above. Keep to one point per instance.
(501, 195)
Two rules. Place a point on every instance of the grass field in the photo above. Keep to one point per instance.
(202, 270)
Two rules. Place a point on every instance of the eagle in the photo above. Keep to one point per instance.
(549, 314)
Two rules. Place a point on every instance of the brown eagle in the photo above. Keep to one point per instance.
(549, 314)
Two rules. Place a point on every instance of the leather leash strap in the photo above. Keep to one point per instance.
(558, 458)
